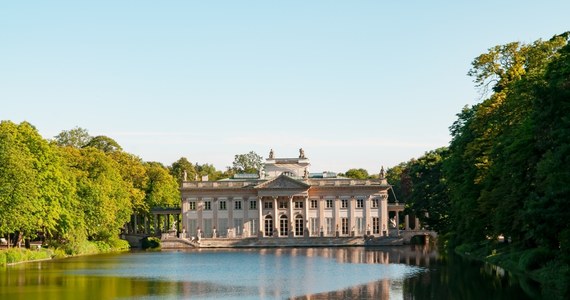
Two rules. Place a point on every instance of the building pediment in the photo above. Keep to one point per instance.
(283, 182)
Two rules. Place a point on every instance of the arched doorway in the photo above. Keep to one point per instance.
(299, 228)
(268, 225)
(283, 225)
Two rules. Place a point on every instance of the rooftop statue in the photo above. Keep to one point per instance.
(382, 173)
(301, 153)
(271, 154)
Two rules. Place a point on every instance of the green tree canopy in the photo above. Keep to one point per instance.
(77, 137)
(248, 163)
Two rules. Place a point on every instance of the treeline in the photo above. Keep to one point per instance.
(503, 184)
(76, 191)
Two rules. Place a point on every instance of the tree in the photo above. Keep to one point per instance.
(104, 143)
(103, 195)
(357, 174)
(76, 137)
(182, 166)
(161, 189)
(248, 163)
(210, 171)
(429, 199)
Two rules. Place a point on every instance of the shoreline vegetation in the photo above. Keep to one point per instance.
(537, 265)
(13, 256)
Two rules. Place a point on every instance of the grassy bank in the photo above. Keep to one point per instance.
(18, 255)
(539, 264)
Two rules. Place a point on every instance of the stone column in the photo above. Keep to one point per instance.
(291, 219)
(418, 226)
(275, 218)
(260, 222)
(230, 209)
(367, 220)
(321, 215)
(336, 217)
(351, 216)
(214, 208)
(407, 222)
(200, 214)
(306, 218)
(384, 217)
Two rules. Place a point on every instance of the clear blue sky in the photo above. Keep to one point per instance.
(357, 84)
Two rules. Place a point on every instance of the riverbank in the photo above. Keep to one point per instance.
(12, 256)
(540, 265)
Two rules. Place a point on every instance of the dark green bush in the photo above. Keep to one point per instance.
(150, 243)
(535, 259)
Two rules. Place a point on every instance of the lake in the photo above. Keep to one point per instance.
(404, 272)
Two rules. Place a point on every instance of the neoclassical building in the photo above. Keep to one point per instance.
(286, 200)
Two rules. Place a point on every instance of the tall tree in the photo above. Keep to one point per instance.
(162, 188)
(77, 137)
(183, 168)
(104, 143)
(248, 163)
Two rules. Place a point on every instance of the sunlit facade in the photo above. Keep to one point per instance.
(285, 200)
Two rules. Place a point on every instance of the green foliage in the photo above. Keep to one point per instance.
(150, 243)
(248, 163)
(76, 138)
(104, 143)
(357, 174)
(17, 255)
(161, 189)
(535, 259)
(183, 168)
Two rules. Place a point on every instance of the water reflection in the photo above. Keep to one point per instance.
(302, 273)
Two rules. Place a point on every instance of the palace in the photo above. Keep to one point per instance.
(286, 200)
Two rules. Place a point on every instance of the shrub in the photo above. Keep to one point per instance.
(151, 243)
(2, 258)
(535, 259)
(118, 244)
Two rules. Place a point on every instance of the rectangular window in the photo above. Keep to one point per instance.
(329, 222)
(359, 225)
(192, 205)
(282, 204)
(359, 203)
(329, 203)
(298, 204)
(314, 223)
(268, 204)
(344, 222)
(237, 205)
(207, 230)
(238, 226)
(375, 225)
(343, 203)
(253, 204)
(222, 205)
(374, 203)
(314, 203)
(253, 227)
(207, 205)
(222, 227)
(192, 227)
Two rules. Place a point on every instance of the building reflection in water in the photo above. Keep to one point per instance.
(383, 289)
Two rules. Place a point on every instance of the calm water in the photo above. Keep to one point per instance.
(306, 273)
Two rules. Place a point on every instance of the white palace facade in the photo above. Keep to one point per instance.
(286, 200)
